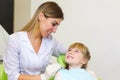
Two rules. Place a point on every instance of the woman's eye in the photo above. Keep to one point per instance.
(54, 24)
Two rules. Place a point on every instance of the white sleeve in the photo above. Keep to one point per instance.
(11, 59)
(58, 48)
(57, 76)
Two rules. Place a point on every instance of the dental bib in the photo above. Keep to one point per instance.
(75, 74)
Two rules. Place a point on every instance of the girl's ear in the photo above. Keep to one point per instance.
(41, 16)
(84, 61)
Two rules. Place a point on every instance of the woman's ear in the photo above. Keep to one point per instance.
(41, 16)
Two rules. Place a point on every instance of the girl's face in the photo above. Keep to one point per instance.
(48, 25)
(74, 57)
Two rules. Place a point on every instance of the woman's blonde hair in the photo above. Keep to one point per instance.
(49, 9)
(84, 50)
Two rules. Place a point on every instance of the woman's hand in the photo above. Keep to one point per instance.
(50, 71)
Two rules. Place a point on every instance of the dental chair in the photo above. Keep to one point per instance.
(3, 75)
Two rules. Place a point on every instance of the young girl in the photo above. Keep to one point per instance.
(76, 58)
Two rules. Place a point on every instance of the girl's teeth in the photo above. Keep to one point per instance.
(70, 57)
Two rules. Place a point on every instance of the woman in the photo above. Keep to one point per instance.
(29, 50)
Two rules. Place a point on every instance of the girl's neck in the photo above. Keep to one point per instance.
(74, 66)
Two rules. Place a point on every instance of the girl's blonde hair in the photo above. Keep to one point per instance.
(49, 9)
(84, 50)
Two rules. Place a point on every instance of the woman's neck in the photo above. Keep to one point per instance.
(34, 35)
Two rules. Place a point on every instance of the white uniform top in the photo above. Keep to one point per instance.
(20, 57)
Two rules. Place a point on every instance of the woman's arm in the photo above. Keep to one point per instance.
(11, 61)
(29, 77)
(49, 72)
(58, 48)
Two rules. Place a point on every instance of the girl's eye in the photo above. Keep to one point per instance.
(69, 50)
(76, 51)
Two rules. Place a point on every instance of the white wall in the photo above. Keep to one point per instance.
(22, 12)
(95, 23)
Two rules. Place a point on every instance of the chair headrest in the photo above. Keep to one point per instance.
(61, 60)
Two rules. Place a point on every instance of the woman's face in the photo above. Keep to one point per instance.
(74, 57)
(48, 25)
